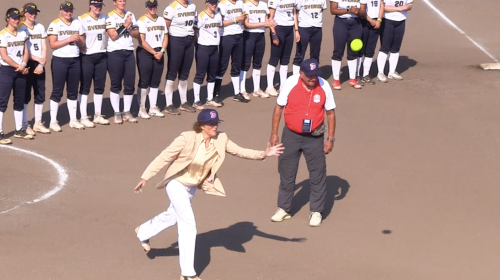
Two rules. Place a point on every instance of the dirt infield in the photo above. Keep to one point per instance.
(412, 181)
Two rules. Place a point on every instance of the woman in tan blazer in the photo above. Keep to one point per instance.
(194, 158)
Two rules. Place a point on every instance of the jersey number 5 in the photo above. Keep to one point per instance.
(35, 46)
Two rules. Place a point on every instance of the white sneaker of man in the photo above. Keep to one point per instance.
(280, 216)
(87, 123)
(76, 125)
(315, 219)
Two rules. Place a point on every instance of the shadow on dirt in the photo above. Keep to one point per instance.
(232, 238)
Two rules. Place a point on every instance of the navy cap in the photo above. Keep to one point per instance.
(310, 67)
(31, 9)
(151, 3)
(66, 6)
(208, 116)
(212, 1)
(14, 13)
(97, 2)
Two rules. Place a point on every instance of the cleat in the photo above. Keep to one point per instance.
(156, 112)
(118, 118)
(360, 81)
(87, 123)
(54, 126)
(198, 105)
(172, 110)
(76, 125)
(23, 135)
(382, 78)
(260, 93)
(336, 85)
(188, 108)
(127, 117)
(29, 130)
(4, 140)
(239, 98)
(99, 119)
(40, 128)
(143, 114)
(368, 80)
(272, 92)
(213, 103)
(353, 83)
(395, 76)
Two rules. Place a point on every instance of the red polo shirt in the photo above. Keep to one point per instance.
(302, 104)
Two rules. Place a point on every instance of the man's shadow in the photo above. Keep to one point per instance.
(232, 238)
(336, 189)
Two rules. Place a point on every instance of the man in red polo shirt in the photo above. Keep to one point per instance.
(305, 98)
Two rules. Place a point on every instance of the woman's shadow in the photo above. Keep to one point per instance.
(232, 238)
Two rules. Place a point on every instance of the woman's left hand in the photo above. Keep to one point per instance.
(274, 150)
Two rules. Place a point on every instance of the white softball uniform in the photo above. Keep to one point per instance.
(182, 18)
(95, 33)
(63, 30)
(14, 43)
(284, 11)
(346, 4)
(256, 13)
(114, 21)
(209, 29)
(397, 16)
(36, 34)
(230, 10)
(154, 30)
(311, 12)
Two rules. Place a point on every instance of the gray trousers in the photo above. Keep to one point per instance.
(312, 146)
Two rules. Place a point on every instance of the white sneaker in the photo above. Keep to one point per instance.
(54, 126)
(76, 125)
(127, 117)
(156, 112)
(382, 78)
(87, 123)
(280, 216)
(315, 219)
(143, 114)
(118, 118)
(272, 92)
(246, 95)
(395, 76)
(39, 127)
(99, 119)
(260, 93)
(30, 130)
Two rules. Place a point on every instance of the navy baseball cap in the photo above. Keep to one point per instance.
(151, 3)
(13, 13)
(97, 2)
(310, 67)
(66, 6)
(31, 9)
(212, 1)
(208, 116)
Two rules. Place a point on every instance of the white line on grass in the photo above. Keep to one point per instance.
(61, 172)
(459, 30)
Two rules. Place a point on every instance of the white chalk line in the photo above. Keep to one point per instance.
(61, 172)
(459, 30)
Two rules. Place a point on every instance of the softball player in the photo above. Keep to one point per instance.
(371, 32)
(121, 27)
(231, 46)
(310, 17)
(347, 26)
(180, 17)
(391, 37)
(154, 40)
(13, 57)
(93, 60)
(66, 40)
(283, 12)
(207, 53)
(255, 44)
(37, 46)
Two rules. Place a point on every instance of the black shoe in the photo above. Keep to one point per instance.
(4, 140)
(367, 79)
(22, 134)
(172, 110)
(239, 98)
(187, 107)
(218, 99)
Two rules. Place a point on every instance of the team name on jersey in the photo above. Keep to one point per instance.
(96, 27)
(67, 32)
(312, 7)
(15, 44)
(187, 14)
(211, 25)
(233, 11)
(35, 36)
(286, 6)
(258, 12)
(155, 28)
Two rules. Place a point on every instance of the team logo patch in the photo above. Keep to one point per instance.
(312, 66)
(213, 115)
(316, 98)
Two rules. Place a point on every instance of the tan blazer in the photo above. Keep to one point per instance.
(181, 152)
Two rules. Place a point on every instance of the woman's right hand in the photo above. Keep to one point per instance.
(139, 186)
(240, 18)
(270, 23)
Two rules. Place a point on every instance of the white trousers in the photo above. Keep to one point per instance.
(179, 212)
